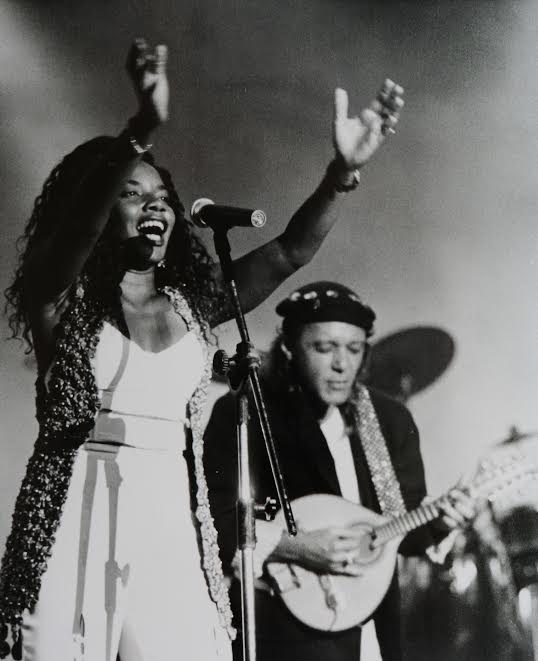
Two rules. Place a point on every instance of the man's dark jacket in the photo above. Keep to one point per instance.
(308, 468)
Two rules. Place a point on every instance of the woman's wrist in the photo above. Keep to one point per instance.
(135, 139)
(141, 128)
(342, 178)
(132, 143)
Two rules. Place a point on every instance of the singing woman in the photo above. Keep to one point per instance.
(108, 551)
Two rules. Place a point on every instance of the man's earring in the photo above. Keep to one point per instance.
(285, 350)
(161, 264)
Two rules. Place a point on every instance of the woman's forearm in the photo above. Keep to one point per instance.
(57, 261)
(90, 205)
(261, 271)
(314, 219)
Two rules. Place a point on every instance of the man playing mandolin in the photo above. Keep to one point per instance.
(333, 436)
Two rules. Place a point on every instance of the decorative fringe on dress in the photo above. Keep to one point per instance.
(211, 559)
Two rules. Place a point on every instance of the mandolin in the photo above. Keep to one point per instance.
(334, 602)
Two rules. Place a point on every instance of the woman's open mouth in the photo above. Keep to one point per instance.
(153, 229)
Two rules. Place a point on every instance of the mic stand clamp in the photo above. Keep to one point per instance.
(267, 511)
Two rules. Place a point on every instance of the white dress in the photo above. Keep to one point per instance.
(125, 572)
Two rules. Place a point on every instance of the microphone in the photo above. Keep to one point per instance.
(205, 213)
(136, 252)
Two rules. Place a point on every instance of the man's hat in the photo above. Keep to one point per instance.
(325, 301)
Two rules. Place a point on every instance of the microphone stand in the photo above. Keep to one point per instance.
(242, 372)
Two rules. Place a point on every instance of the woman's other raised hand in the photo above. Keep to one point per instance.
(146, 67)
(356, 139)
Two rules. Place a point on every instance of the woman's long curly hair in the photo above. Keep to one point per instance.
(188, 263)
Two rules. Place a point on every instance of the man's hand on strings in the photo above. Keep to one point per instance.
(331, 550)
(458, 509)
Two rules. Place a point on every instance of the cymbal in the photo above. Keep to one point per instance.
(408, 361)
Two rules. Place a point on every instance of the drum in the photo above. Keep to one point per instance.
(466, 608)
(516, 512)
(441, 608)
(519, 530)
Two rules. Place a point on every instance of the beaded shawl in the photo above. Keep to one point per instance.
(66, 410)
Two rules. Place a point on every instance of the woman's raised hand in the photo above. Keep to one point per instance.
(147, 70)
(356, 139)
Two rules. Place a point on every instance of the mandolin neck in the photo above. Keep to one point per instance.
(405, 523)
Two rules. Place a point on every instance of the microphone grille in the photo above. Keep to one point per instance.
(197, 206)
(258, 218)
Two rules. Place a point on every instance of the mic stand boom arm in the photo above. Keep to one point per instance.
(244, 373)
